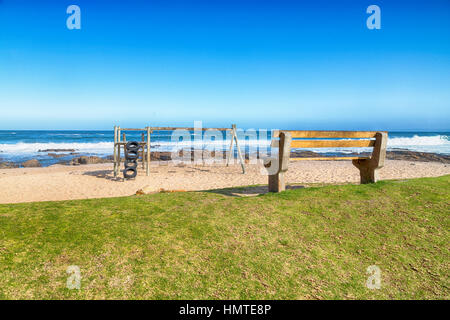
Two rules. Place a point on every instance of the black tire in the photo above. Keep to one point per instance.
(129, 173)
(131, 154)
(130, 164)
(132, 146)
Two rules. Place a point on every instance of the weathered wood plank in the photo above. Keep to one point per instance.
(328, 134)
(329, 158)
(331, 143)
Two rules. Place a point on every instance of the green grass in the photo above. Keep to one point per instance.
(311, 243)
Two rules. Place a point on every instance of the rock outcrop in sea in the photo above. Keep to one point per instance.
(33, 163)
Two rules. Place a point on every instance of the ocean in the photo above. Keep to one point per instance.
(22, 145)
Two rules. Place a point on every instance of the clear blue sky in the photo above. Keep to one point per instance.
(280, 64)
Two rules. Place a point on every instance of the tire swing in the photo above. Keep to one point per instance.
(130, 164)
(131, 156)
(132, 145)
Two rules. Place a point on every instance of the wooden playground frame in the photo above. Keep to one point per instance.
(120, 140)
(144, 144)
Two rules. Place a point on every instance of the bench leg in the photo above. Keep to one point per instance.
(367, 172)
(368, 168)
(277, 182)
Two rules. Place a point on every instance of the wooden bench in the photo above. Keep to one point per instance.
(368, 166)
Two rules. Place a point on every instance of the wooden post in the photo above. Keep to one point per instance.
(115, 152)
(118, 150)
(239, 149)
(235, 139)
(148, 152)
(277, 181)
(143, 151)
(368, 168)
(230, 150)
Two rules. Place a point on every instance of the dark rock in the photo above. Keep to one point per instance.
(390, 155)
(305, 154)
(55, 155)
(110, 159)
(417, 156)
(160, 156)
(87, 160)
(8, 165)
(31, 163)
(189, 152)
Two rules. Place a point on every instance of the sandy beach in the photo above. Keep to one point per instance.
(60, 182)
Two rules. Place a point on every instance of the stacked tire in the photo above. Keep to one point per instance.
(131, 157)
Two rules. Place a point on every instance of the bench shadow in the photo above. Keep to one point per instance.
(251, 191)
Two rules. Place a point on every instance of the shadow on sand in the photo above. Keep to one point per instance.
(250, 191)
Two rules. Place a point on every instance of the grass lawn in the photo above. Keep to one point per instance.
(310, 243)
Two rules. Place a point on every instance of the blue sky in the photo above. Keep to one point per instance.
(260, 64)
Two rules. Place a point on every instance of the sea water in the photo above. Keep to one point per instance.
(22, 145)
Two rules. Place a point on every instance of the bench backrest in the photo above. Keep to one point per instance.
(321, 139)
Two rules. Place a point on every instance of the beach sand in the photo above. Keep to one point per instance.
(61, 182)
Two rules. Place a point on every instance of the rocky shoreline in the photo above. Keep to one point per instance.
(166, 156)
(390, 155)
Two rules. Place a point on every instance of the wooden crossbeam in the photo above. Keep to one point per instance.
(188, 129)
(132, 129)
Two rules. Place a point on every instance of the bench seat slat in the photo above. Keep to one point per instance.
(331, 143)
(328, 134)
(329, 158)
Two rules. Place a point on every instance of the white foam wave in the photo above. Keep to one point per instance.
(416, 140)
(30, 148)
(22, 148)
(437, 144)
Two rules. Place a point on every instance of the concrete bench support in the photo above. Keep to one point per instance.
(277, 182)
(368, 168)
